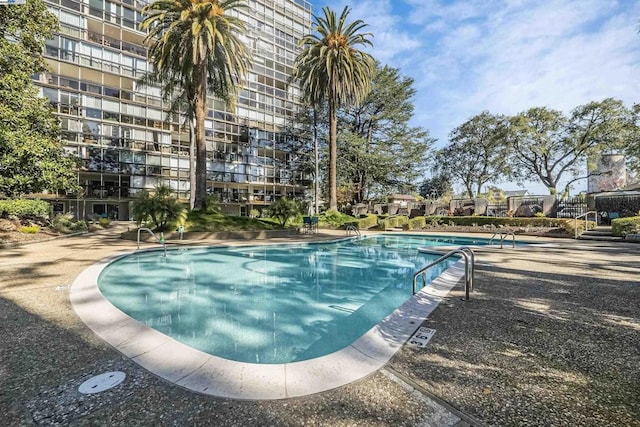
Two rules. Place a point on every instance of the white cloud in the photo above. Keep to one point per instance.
(392, 44)
(506, 56)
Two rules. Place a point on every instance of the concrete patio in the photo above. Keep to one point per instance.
(551, 336)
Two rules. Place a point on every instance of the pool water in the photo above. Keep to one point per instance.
(270, 304)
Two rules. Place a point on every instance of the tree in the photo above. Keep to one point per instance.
(162, 207)
(284, 209)
(436, 187)
(380, 151)
(330, 68)
(632, 149)
(197, 43)
(477, 153)
(547, 144)
(32, 156)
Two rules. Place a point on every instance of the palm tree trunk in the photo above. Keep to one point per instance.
(201, 146)
(315, 152)
(192, 165)
(333, 154)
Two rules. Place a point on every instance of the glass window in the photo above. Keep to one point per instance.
(52, 94)
(93, 113)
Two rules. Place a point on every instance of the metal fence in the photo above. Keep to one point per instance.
(617, 206)
(527, 206)
(571, 207)
(499, 209)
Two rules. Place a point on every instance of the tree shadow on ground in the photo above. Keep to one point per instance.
(557, 342)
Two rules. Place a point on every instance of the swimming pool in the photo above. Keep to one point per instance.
(270, 304)
(201, 372)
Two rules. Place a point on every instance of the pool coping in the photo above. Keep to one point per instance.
(203, 373)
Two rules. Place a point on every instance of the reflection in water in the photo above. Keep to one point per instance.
(268, 304)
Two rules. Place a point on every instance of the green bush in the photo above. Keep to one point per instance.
(333, 218)
(417, 223)
(29, 229)
(393, 222)
(433, 221)
(570, 226)
(203, 221)
(504, 221)
(65, 224)
(24, 207)
(104, 222)
(620, 227)
(366, 221)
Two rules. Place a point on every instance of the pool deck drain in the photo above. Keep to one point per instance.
(212, 375)
(102, 382)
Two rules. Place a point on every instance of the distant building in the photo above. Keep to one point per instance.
(516, 193)
(401, 198)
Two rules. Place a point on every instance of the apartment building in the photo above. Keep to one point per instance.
(123, 135)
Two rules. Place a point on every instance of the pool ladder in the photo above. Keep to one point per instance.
(158, 239)
(469, 269)
(350, 228)
(503, 235)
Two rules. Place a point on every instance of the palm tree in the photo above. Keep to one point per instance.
(196, 43)
(331, 69)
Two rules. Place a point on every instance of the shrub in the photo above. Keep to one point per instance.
(24, 207)
(365, 221)
(399, 221)
(497, 221)
(433, 221)
(65, 224)
(29, 229)
(570, 225)
(212, 204)
(417, 223)
(393, 222)
(335, 219)
(104, 222)
(620, 227)
(198, 220)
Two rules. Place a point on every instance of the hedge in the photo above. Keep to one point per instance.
(366, 221)
(491, 220)
(564, 223)
(24, 207)
(393, 222)
(417, 223)
(620, 227)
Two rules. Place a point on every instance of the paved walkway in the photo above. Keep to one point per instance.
(525, 310)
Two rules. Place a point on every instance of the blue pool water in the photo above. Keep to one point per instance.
(271, 304)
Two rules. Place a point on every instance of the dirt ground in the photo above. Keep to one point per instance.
(10, 233)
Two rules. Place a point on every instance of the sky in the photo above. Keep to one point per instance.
(504, 56)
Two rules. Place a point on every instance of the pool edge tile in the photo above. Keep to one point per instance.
(328, 372)
(237, 380)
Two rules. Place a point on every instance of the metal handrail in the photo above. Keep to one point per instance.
(503, 236)
(586, 220)
(469, 270)
(350, 228)
(159, 240)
